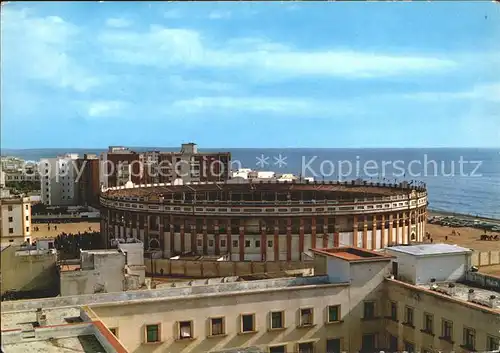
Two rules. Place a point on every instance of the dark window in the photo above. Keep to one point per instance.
(248, 323)
(185, 330)
(217, 326)
(269, 243)
(428, 323)
(11, 219)
(409, 347)
(368, 343)
(393, 344)
(369, 310)
(235, 243)
(257, 243)
(409, 316)
(306, 317)
(11, 230)
(247, 243)
(210, 242)
(447, 329)
(277, 319)
(492, 343)
(223, 243)
(307, 347)
(277, 349)
(27, 218)
(469, 338)
(9, 208)
(152, 333)
(394, 311)
(113, 331)
(333, 345)
(333, 313)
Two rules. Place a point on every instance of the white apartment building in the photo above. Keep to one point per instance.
(57, 180)
(15, 219)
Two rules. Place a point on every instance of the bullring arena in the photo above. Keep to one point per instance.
(264, 220)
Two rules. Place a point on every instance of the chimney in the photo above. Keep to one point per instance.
(470, 296)
(41, 318)
(451, 288)
(492, 301)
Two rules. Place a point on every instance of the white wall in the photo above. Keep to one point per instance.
(444, 268)
(338, 270)
(407, 266)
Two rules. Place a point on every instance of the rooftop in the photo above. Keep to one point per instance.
(460, 291)
(430, 249)
(82, 343)
(353, 254)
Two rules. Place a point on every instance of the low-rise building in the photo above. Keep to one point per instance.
(104, 271)
(15, 219)
(353, 303)
(28, 271)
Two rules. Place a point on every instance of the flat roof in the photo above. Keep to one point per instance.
(352, 254)
(82, 343)
(430, 249)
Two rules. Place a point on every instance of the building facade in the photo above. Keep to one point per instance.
(88, 182)
(265, 221)
(353, 303)
(58, 178)
(119, 165)
(15, 219)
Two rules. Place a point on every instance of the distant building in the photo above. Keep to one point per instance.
(87, 182)
(15, 219)
(104, 271)
(58, 178)
(353, 303)
(162, 167)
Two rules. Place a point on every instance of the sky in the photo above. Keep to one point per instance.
(242, 74)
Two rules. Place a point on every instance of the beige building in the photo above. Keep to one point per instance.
(353, 303)
(28, 271)
(15, 219)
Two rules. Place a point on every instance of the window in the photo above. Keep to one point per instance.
(334, 313)
(223, 243)
(11, 230)
(428, 323)
(27, 218)
(152, 333)
(393, 343)
(114, 331)
(369, 310)
(11, 219)
(26, 207)
(333, 345)
(368, 343)
(9, 208)
(27, 229)
(269, 243)
(257, 243)
(409, 347)
(210, 242)
(277, 349)
(217, 326)
(277, 320)
(306, 317)
(492, 343)
(409, 316)
(306, 347)
(247, 243)
(235, 243)
(185, 330)
(248, 323)
(199, 243)
(447, 330)
(394, 311)
(469, 338)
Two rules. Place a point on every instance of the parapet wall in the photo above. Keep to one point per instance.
(189, 268)
(485, 258)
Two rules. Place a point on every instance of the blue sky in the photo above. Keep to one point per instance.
(251, 74)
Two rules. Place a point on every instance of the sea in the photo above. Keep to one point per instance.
(463, 181)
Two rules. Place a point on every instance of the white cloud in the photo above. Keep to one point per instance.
(483, 91)
(39, 48)
(285, 106)
(106, 109)
(219, 15)
(181, 83)
(166, 47)
(118, 22)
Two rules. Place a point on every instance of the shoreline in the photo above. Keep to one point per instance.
(462, 216)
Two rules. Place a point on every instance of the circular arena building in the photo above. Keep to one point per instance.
(264, 220)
